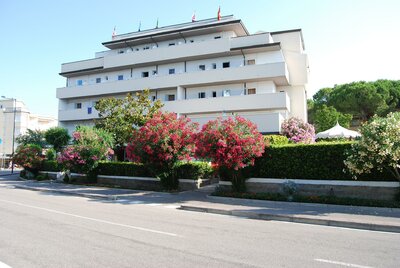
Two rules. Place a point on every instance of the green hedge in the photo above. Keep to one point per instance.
(319, 161)
(185, 170)
(51, 165)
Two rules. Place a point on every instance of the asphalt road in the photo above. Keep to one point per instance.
(47, 230)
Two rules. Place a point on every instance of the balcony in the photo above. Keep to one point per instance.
(276, 72)
(256, 102)
(83, 65)
(77, 114)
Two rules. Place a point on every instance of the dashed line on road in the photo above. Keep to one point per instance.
(342, 263)
(92, 219)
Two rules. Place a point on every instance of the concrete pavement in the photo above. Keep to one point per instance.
(48, 229)
(368, 218)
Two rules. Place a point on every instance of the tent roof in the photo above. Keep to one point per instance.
(338, 132)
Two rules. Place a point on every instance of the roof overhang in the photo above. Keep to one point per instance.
(227, 23)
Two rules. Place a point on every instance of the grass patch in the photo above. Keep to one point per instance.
(333, 200)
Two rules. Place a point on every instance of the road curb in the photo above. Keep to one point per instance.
(104, 197)
(294, 219)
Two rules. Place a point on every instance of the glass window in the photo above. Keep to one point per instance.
(191, 41)
(153, 98)
(251, 91)
(120, 77)
(226, 64)
(171, 71)
(251, 62)
(202, 67)
(154, 72)
(214, 94)
(98, 80)
(202, 95)
(145, 74)
(214, 66)
(171, 97)
(217, 37)
(226, 93)
(171, 44)
(78, 105)
(79, 82)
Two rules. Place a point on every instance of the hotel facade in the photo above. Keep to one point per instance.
(202, 70)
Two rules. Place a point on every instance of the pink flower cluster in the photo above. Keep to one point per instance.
(163, 140)
(71, 157)
(298, 131)
(232, 143)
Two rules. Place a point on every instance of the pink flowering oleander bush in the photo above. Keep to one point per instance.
(90, 145)
(231, 144)
(161, 142)
(30, 157)
(298, 131)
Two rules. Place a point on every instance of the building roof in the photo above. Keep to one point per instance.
(181, 30)
(291, 31)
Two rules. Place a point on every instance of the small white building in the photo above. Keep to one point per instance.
(201, 70)
(14, 111)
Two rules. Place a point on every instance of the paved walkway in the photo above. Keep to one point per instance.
(369, 218)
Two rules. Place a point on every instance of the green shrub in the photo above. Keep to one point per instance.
(122, 169)
(51, 165)
(194, 170)
(275, 140)
(51, 154)
(184, 170)
(319, 161)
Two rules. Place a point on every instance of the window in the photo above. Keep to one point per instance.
(171, 71)
(121, 52)
(78, 105)
(214, 94)
(146, 48)
(89, 110)
(171, 97)
(251, 91)
(137, 49)
(79, 82)
(226, 64)
(217, 37)
(171, 44)
(153, 98)
(106, 78)
(202, 67)
(226, 93)
(251, 62)
(98, 80)
(154, 72)
(202, 95)
(120, 77)
(214, 66)
(191, 41)
(145, 74)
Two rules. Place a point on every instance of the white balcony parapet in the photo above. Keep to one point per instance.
(276, 72)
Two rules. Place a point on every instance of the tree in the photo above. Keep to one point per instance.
(379, 147)
(231, 144)
(58, 137)
(298, 131)
(32, 137)
(161, 142)
(120, 116)
(326, 117)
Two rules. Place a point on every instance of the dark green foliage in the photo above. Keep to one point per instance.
(32, 137)
(319, 161)
(122, 169)
(51, 165)
(194, 170)
(58, 137)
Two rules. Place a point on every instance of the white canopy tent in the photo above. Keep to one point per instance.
(337, 132)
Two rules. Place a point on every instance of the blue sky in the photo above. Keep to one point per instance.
(346, 40)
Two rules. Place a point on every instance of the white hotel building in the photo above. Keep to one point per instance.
(201, 70)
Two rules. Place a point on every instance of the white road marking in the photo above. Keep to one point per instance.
(92, 219)
(342, 263)
(3, 265)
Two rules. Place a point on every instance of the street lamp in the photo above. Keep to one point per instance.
(13, 132)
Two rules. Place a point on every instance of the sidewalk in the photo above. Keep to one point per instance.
(368, 218)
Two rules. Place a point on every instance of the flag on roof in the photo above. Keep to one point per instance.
(194, 17)
(114, 33)
(140, 24)
(219, 13)
(157, 23)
